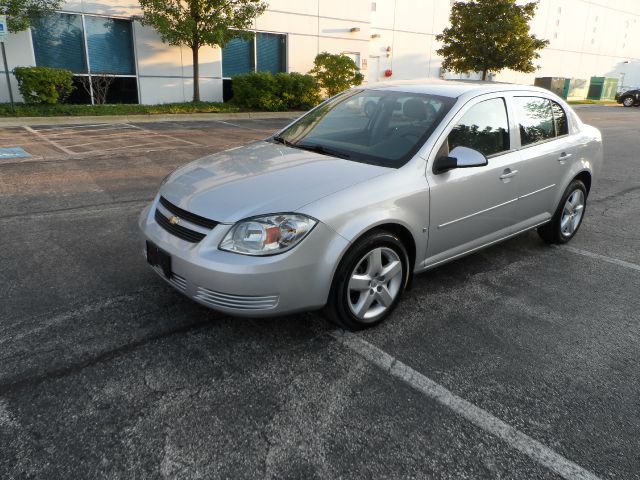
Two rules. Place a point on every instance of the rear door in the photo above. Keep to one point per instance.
(546, 150)
(470, 207)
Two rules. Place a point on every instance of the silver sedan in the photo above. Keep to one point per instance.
(339, 209)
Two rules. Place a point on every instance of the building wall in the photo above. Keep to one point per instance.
(588, 38)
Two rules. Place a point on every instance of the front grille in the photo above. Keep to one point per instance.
(178, 230)
(188, 216)
(239, 302)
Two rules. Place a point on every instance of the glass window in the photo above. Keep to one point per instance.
(370, 126)
(270, 55)
(560, 119)
(485, 128)
(110, 45)
(536, 119)
(237, 57)
(58, 42)
(271, 52)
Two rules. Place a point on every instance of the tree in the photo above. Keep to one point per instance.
(335, 73)
(490, 35)
(20, 13)
(196, 23)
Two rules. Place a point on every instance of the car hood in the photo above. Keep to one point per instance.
(260, 178)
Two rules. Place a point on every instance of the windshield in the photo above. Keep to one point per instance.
(371, 126)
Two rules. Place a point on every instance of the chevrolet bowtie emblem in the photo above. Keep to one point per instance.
(174, 220)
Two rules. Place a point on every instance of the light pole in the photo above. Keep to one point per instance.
(4, 34)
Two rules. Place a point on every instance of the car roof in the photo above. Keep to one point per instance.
(451, 88)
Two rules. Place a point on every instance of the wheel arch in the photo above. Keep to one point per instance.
(585, 177)
(394, 227)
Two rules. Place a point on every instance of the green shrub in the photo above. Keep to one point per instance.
(335, 73)
(257, 90)
(283, 91)
(44, 84)
(298, 91)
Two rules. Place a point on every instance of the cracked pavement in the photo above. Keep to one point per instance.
(107, 372)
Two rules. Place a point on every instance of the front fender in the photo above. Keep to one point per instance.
(399, 199)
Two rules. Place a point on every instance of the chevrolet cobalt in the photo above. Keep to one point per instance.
(339, 209)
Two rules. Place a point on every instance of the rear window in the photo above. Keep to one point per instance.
(535, 118)
(540, 119)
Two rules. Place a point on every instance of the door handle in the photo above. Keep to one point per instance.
(508, 173)
(563, 156)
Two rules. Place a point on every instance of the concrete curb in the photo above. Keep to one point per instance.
(591, 105)
(106, 119)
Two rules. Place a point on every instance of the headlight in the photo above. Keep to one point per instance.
(267, 235)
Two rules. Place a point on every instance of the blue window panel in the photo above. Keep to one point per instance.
(237, 57)
(110, 45)
(58, 42)
(271, 52)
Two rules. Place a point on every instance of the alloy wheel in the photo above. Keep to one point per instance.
(572, 213)
(375, 283)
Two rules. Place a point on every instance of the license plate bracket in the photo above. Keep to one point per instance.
(159, 258)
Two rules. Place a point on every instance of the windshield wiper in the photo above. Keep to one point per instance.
(281, 139)
(323, 150)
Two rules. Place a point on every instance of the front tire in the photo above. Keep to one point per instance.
(369, 282)
(568, 216)
(628, 101)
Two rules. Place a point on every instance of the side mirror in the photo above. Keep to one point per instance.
(460, 157)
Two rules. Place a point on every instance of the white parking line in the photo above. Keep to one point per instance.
(72, 127)
(43, 137)
(476, 415)
(157, 134)
(243, 126)
(615, 261)
(55, 133)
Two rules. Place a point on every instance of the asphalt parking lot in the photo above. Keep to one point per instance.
(521, 361)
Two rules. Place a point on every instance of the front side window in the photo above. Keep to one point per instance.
(371, 126)
(485, 128)
(535, 117)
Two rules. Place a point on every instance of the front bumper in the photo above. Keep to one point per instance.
(296, 280)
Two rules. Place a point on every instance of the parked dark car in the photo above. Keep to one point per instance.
(630, 98)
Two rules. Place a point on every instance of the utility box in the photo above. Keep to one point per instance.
(555, 84)
(602, 88)
(575, 89)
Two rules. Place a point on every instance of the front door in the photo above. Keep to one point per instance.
(470, 207)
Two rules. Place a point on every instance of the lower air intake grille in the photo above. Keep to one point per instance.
(178, 230)
(239, 302)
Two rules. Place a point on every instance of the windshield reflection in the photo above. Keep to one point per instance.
(371, 126)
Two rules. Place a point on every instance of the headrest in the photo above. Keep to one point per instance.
(415, 108)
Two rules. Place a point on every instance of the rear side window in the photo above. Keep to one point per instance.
(485, 128)
(560, 119)
(535, 117)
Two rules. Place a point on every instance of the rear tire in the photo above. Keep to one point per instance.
(568, 216)
(369, 282)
